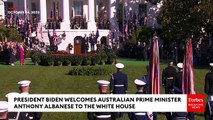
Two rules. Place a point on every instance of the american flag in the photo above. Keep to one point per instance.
(154, 68)
(54, 38)
(188, 71)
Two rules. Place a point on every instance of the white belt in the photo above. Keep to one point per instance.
(118, 85)
(140, 113)
(210, 98)
(103, 116)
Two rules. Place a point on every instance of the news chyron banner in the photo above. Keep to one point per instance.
(105, 103)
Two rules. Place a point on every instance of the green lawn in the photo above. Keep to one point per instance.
(54, 80)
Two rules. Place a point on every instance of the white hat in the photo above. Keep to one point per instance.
(103, 82)
(3, 106)
(11, 93)
(24, 83)
(140, 81)
(119, 65)
(211, 64)
(180, 65)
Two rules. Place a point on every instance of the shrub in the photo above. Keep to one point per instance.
(96, 59)
(89, 71)
(103, 56)
(58, 60)
(67, 60)
(77, 60)
(36, 57)
(86, 60)
(110, 58)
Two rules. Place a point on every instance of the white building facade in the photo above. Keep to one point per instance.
(74, 12)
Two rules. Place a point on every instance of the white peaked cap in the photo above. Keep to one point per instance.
(3, 106)
(24, 83)
(180, 65)
(140, 81)
(103, 82)
(211, 64)
(119, 65)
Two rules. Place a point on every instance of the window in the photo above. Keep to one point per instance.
(78, 5)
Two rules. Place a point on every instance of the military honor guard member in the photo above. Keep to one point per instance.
(3, 110)
(178, 77)
(119, 83)
(103, 87)
(209, 109)
(140, 84)
(178, 115)
(209, 81)
(209, 91)
(168, 77)
(24, 88)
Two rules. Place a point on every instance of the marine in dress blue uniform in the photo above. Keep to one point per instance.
(103, 89)
(208, 91)
(209, 109)
(140, 84)
(119, 83)
(24, 87)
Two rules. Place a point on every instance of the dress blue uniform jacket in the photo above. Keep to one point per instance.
(209, 111)
(119, 83)
(138, 115)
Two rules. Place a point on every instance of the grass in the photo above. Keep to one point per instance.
(54, 80)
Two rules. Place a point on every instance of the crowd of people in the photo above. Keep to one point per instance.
(12, 51)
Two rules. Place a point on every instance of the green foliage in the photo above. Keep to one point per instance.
(35, 57)
(89, 71)
(67, 60)
(11, 34)
(77, 60)
(110, 58)
(96, 59)
(86, 60)
(58, 60)
(103, 56)
(181, 18)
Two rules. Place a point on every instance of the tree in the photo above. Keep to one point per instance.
(11, 34)
(181, 18)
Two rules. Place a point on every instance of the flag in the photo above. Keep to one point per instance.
(41, 31)
(54, 38)
(154, 68)
(188, 72)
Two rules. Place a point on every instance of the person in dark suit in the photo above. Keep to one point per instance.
(103, 89)
(93, 39)
(140, 85)
(168, 77)
(209, 81)
(119, 83)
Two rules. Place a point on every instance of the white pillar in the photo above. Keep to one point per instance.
(113, 13)
(25, 6)
(65, 25)
(2, 12)
(43, 11)
(91, 22)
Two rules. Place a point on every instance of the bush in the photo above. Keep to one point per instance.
(58, 60)
(89, 71)
(96, 59)
(77, 60)
(36, 57)
(110, 58)
(86, 60)
(67, 60)
(103, 56)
